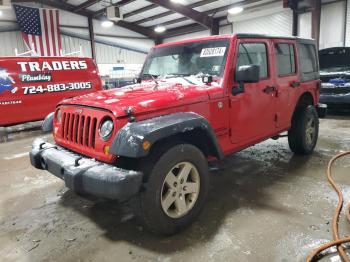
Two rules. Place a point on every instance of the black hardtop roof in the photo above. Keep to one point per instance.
(298, 39)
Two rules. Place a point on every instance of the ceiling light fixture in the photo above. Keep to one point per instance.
(235, 10)
(107, 23)
(160, 29)
(0, 13)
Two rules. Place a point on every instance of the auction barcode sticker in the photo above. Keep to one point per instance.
(214, 51)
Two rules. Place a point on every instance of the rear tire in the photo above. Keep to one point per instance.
(175, 189)
(303, 134)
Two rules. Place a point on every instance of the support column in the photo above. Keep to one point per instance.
(295, 23)
(316, 20)
(214, 30)
(92, 38)
(158, 40)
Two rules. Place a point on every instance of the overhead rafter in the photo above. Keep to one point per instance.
(192, 28)
(218, 9)
(194, 15)
(124, 2)
(68, 7)
(120, 3)
(151, 18)
(85, 5)
(141, 10)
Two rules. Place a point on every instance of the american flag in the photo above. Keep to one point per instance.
(40, 29)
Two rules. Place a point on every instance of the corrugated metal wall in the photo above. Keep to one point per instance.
(109, 54)
(72, 44)
(347, 29)
(10, 41)
(278, 24)
(106, 54)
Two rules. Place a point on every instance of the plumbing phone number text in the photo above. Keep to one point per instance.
(56, 88)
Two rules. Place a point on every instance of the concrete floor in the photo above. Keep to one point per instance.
(265, 204)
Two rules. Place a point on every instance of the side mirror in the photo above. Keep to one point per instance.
(248, 74)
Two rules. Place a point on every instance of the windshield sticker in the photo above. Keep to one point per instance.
(215, 51)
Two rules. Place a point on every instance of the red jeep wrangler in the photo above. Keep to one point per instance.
(195, 100)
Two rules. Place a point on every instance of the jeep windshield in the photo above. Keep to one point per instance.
(189, 59)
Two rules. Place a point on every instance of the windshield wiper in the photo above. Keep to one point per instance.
(153, 77)
(183, 76)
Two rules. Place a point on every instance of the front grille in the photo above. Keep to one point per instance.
(79, 129)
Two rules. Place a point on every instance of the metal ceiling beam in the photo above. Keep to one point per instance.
(125, 2)
(68, 7)
(141, 10)
(194, 15)
(151, 18)
(216, 10)
(182, 30)
(85, 5)
(192, 28)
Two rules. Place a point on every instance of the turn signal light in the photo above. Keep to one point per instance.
(146, 145)
(106, 150)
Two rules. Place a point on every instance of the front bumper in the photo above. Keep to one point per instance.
(85, 175)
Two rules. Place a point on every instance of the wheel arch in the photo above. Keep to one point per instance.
(187, 127)
(305, 99)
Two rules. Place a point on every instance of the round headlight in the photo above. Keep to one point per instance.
(58, 116)
(106, 129)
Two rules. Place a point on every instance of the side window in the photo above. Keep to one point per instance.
(253, 54)
(285, 59)
(308, 62)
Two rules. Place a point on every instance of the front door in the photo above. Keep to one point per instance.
(252, 113)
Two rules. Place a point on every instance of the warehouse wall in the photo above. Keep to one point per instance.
(123, 45)
(347, 24)
(279, 23)
(272, 19)
(106, 53)
(187, 36)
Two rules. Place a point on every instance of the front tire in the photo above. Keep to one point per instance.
(303, 134)
(175, 191)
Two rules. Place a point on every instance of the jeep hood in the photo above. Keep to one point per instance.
(145, 97)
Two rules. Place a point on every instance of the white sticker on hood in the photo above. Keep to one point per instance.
(214, 51)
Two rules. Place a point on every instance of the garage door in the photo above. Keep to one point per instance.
(332, 25)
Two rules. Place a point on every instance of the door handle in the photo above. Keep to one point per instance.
(269, 89)
(295, 84)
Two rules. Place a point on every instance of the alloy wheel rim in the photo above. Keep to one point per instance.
(310, 131)
(180, 190)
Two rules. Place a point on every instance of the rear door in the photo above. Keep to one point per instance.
(287, 80)
(252, 112)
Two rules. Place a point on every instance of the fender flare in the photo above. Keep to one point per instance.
(130, 138)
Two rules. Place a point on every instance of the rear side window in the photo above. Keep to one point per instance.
(253, 54)
(285, 59)
(308, 62)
